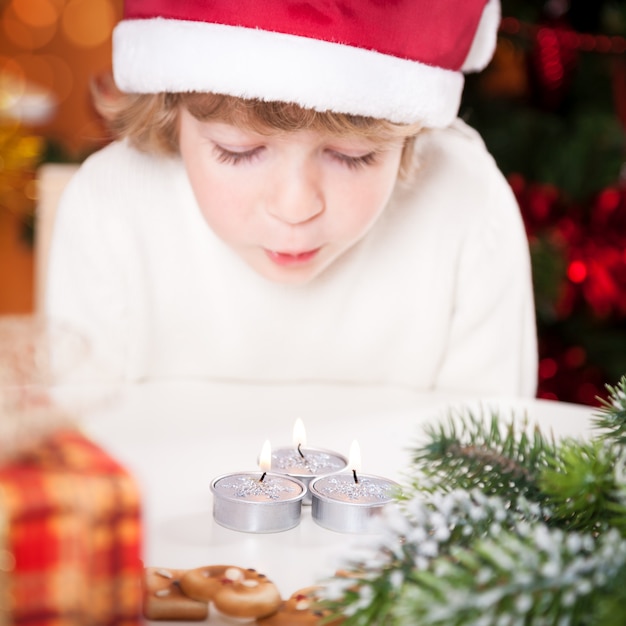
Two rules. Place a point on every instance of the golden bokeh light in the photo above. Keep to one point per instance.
(16, 31)
(38, 13)
(12, 77)
(63, 77)
(37, 68)
(24, 35)
(46, 73)
(9, 126)
(88, 23)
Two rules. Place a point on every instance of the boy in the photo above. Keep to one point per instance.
(292, 199)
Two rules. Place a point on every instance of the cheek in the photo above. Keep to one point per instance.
(223, 209)
(222, 203)
(367, 201)
(213, 194)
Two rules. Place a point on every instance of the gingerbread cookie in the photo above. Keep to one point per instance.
(299, 610)
(201, 583)
(234, 591)
(163, 598)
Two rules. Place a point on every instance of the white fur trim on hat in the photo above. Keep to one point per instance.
(484, 43)
(358, 65)
(253, 63)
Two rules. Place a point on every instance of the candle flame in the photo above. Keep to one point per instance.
(354, 458)
(265, 458)
(299, 434)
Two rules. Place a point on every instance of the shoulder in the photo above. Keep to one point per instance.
(119, 168)
(119, 154)
(463, 132)
(455, 150)
(456, 173)
(121, 184)
(458, 193)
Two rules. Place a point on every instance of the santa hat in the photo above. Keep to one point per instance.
(401, 60)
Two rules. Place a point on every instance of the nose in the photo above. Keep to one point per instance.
(296, 196)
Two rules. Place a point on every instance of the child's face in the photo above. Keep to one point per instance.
(288, 204)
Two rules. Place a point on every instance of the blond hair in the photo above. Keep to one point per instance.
(150, 121)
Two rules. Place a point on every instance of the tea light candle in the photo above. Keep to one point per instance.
(347, 502)
(258, 502)
(304, 463)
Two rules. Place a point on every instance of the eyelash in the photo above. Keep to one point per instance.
(355, 162)
(234, 158)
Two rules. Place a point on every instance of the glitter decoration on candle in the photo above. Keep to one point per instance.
(245, 486)
(365, 490)
(305, 463)
(258, 502)
(347, 502)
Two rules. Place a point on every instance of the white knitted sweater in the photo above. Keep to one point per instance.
(438, 295)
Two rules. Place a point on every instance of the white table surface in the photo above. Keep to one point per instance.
(177, 437)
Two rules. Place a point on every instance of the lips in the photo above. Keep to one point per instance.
(286, 259)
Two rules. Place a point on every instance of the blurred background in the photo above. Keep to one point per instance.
(50, 51)
(551, 107)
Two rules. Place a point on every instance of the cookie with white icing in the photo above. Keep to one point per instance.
(163, 598)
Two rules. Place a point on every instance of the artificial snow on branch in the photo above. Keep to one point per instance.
(499, 527)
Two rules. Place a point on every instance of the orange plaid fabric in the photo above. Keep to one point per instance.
(70, 537)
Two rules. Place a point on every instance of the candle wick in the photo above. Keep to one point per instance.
(356, 478)
(262, 477)
(300, 451)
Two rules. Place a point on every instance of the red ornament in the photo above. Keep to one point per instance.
(540, 203)
(608, 216)
(552, 62)
(565, 374)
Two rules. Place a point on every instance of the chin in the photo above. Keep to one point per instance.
(300, 276)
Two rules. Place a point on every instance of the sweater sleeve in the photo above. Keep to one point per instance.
(86, 283)
(492, 346)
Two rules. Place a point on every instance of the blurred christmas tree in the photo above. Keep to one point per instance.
(552, 110)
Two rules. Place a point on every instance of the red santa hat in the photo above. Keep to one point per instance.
(401, 60)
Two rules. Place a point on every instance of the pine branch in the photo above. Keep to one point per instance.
(583, 485)
(415, 534)
(505, 570)
(612, 415)
(501, 527)
(538, 577)
(479, 452)
(608, 610)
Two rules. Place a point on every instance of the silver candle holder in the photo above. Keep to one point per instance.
(347, 502)
(257, 502)
(304, 463)
(342, 504)
(307, 464)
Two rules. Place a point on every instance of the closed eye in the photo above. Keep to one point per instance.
(355, 162)
(232, 157)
